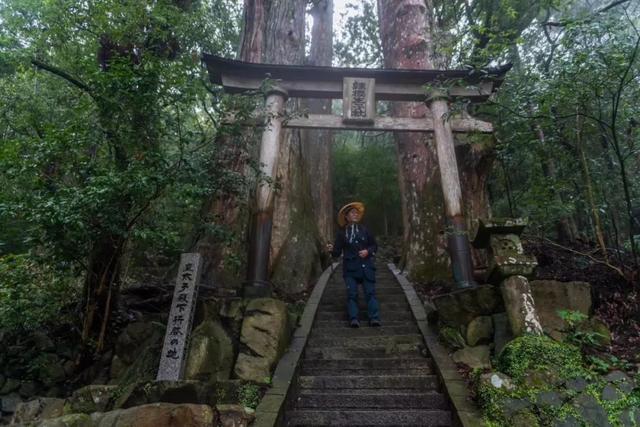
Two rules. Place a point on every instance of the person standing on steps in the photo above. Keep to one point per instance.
(358, 247)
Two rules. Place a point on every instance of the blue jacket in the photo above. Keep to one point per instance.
(349, 241)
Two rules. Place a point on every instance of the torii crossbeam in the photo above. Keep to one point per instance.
(359, 89)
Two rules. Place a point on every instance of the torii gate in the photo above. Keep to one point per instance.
(359, 89)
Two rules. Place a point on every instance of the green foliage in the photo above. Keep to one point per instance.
(577, 335)
(365, 169)
(249, 395)
(109, 135)
(528, 356)
(33, 295)
(542, 353)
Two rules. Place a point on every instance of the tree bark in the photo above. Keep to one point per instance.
(404, 31)
(221, 264)
(295, 240)
(317, 144)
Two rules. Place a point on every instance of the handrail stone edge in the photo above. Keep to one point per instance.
(466, 414)
(270, 409)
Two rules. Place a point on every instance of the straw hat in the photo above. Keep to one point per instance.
(342, 215)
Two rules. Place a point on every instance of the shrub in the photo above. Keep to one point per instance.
(32, 294)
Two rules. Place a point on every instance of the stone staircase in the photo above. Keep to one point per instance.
(366, 376)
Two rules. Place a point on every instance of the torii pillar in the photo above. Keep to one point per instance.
(456, 230)
(257, 284)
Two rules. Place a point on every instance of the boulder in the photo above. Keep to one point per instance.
(28, 389)
(460, 307)
(10, 384)
(38, 409)
(91, 398)
(207, 309)
(42, 342)
(602, 334)
(591, 411)
(480, 331)
(10, 402)
(137, 355)
(235, 415)
(145, 392)
(71, 420)
(211, 353)
(501, 332)
(551, 296)
(265, 334)
(232, 308)
(158, 415)
(520, 306)
(474, 357)
(50, 370)
(253, 368)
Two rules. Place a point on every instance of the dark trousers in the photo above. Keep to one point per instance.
(373, 310)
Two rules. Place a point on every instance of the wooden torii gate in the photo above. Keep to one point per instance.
(359, 89)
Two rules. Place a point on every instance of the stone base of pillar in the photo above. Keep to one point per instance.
(257, 289)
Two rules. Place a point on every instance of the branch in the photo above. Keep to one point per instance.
(596, 260)
(596, 13)
(60, 73)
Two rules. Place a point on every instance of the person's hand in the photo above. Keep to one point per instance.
(329, 247)
(363, 253)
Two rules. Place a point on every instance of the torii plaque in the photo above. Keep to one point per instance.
(359, 114)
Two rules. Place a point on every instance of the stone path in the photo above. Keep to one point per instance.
(366, 376)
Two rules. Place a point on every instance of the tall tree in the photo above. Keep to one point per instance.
(316, 145)
(405, 28)
(295, 244)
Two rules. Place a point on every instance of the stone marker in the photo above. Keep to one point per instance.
(521, 309)
(180, 319)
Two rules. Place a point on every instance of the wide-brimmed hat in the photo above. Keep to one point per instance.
(342, 215)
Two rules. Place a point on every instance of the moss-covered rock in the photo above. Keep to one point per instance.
(551, 382)
(529, 353)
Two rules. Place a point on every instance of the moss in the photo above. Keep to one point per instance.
(528, 355)
(530, 352)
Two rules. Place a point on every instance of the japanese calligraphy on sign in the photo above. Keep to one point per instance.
(358, 97)
(180, 318)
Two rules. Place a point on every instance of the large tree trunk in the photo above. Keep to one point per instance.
(404, 31)
(295, 242)
(317, 144)
(228, 209)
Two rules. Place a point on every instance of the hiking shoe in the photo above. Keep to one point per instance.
(354, 323)
(375, 323)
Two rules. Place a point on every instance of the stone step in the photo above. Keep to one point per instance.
(342, 299)
(380, 294)
(357, 418)
(361, 399)
(418, 382)
(392, 306)
(366, 363)
(406, 351)
(364, 342)
(345, 331)
(384, 315)
(321, 324)
(366, 372)
(341, 287)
